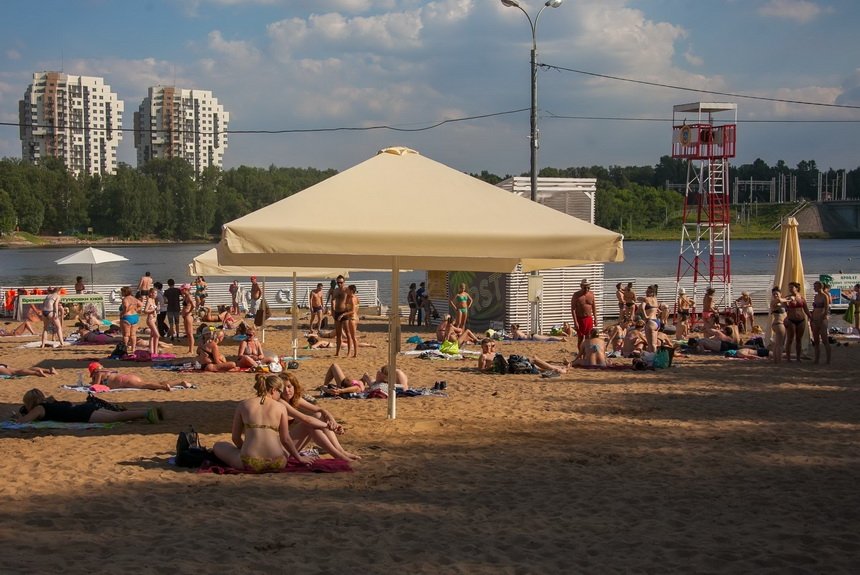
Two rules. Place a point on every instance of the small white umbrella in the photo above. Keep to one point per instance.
(91, 256)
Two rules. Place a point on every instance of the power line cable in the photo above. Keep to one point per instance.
(730, 94)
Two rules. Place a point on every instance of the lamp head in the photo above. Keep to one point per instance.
(511, 3)
(554, 3)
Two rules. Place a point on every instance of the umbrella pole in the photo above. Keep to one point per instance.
(393, 338)
(295, 313)
(92, 281)
(263, 327)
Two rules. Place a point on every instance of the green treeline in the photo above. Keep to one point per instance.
(163, 199)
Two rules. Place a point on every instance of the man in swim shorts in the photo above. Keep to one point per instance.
(339, 311)
(315, 302)
(584, 310)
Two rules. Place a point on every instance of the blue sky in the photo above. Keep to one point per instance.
(306, 65)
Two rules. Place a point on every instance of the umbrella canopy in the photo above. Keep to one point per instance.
(209, 264)
(91, 257)
(375, 217)
(789, 263)
(375, 212)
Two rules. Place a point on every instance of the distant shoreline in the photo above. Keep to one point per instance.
(16, 241)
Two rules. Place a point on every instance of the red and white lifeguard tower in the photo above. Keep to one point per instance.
(706, 142)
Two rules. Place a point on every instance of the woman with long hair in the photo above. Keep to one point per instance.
(209, 356)
(187, 315)
(38, 406)
(461, 302)
(310, 422)
(777, 325)
(150, 311)
(820, 321)
(795, 321)
(129, 317)
(261, 431)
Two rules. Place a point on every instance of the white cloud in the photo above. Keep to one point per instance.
(243, 53)
(12, 54)
(692, 59)
(850, 95)
(801, 11)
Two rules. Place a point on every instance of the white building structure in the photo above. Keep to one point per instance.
(74, 118)
(173, 122)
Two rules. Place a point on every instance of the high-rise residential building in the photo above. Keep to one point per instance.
(75, 118)
(176, 123)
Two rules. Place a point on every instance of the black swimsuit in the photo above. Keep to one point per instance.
(67, 411)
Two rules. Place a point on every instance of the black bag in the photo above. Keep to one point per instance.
(102, 404)
(119, 351)
(500, 364)
(520, 364)
(189, 451)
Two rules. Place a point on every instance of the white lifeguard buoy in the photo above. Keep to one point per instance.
(115, 296)
(284, 296)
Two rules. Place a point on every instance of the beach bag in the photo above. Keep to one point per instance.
(120, 351)
(449, 348)
(520, 364)
(661, 359)
(190, 453)
(264, 313)
(500, 364)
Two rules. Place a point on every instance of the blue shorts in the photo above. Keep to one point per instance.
(130, 319)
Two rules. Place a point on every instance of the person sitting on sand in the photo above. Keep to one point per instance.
(251, 351)
(39, 407)
(616, 335)
(113, 379)
(261, 431)
(448, 331)
(634, 340)
(209, 356)
(488, 354)
(310, 422)
(38, 371)
(223, 316)
(593, 352)
(337, 383)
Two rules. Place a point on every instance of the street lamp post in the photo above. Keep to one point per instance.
(533, 135)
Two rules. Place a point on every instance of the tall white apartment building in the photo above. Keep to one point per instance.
(75, 118)
(176, 123)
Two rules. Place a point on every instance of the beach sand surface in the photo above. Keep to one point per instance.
(712, 466)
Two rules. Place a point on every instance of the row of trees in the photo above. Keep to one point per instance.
(163, 199)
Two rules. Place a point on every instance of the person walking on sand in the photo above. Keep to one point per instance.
(583, 308)
(256, 295)
(461, 303)
(144, 284)
(52, 316)
(315, 303)
(173, 299)
(150, 312)
(234, 297)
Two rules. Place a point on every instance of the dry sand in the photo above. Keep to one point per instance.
(712, 466)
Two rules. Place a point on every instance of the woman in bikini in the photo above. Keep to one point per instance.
(350, 320)
(745, 312)
(223, 316)
(461, 303)
(188, 315)
(38, 406)
(820, 321)
(685, 306)
(251, 351)
(129, 317)
(310, 422)
(150, 311)
(777, 324)
(336, 381)
(113, 379)
(629, 302)
(709, 311)
(634, 340)
(52, 316)
(795, 321)
(412, 300)
(651, 311)
(261, 431)
(593, 352)
(209, 356)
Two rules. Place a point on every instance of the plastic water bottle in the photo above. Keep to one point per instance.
(80, 379)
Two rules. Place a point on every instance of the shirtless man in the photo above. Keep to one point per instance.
(583, 308)
(256, 294)
(144, 285)
(619, 296)
(315, 302)
(339, 311)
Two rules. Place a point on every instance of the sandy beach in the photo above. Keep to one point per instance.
(712, 466)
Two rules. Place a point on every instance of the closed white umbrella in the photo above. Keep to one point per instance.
(91, 257)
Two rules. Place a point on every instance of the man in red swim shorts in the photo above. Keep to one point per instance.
(584, 310)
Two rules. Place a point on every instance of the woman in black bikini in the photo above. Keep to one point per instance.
(820, 323)
(777, 326)
(188, 315)
(38, 407)
(798, 314)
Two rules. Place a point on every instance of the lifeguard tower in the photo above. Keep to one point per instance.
(706, 142)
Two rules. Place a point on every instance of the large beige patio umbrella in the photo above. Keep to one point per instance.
(789, 263)
(381, 214)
